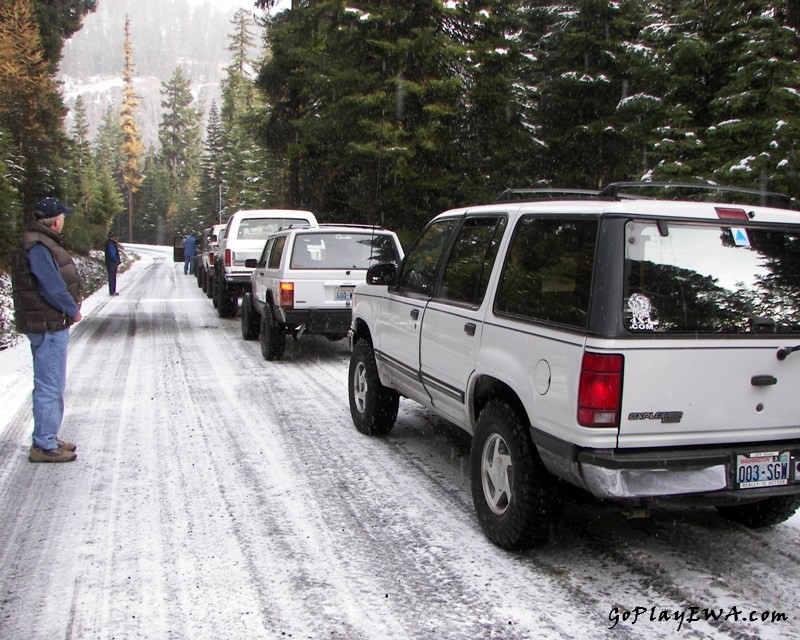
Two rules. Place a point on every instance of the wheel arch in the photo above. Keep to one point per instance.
(486, 388)
(361, 331)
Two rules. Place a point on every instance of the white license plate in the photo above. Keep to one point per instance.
(344, 294)
(763, 469)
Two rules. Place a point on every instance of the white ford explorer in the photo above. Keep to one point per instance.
(643, 350)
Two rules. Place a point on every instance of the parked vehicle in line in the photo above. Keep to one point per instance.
(304, 281)
(243, 239)
(642, 350)
(208, 248)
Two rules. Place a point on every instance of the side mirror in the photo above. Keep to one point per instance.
(382, 274)
(251, 263)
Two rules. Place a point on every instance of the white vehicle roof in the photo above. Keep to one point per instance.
(639, 207)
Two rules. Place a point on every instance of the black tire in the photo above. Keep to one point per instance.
(203, 280)
(214, 293)
(515, 497)
(251, 323)
(764, 513)
(209, 286)
(373, 407)
(226, 301)
(273, 336)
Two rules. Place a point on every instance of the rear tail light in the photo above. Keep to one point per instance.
(287, 294)
(211, 258)
(600, 390)
(731, 213)
(228, 258)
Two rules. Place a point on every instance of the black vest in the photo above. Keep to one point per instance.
(32, 313)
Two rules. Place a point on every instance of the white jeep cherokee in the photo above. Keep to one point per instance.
(245, 234)
(304, 282)
(639, 349)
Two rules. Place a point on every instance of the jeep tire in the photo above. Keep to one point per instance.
(273, 336)
(226, 301)
(763, 513)
(251, 323)
(515, 497)
(373, 407)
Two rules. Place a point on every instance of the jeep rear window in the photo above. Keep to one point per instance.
(711, 279)
(262, 228)
(343, 250)
(548, 273)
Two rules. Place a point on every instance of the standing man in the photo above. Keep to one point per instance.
(47, 298)
(189, 252)
(112, 251)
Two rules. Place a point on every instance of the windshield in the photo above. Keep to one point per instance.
(262, 228)
(711, 279)
(338, 250)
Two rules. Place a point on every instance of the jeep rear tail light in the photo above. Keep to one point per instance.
(228, 258)
(211, 258)
(287, 294)
(600, 390)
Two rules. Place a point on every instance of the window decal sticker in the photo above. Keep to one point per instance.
(640, 309)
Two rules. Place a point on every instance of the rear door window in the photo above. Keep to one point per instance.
(547, 276)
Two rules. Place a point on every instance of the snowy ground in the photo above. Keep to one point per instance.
(218, 496)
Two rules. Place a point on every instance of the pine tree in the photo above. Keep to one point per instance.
(81, 162)
(246, 167)
(132, 148)
(582, 78)
(212, 169)
(179, 133)
(31, 109)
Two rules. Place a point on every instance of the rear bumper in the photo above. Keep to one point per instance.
(318, 320)
(708, 472)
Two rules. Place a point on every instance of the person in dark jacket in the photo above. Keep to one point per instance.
(113, 257)
(47, 301)
(189, 252)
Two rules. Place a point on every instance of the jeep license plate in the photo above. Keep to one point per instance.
(344, 294)
(762, 469)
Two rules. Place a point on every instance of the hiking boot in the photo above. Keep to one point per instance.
(52, 455)
(66, 446)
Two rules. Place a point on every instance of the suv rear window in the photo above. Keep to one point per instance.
(710, 279)
(262, 228)
(548, 273)
(342, 250)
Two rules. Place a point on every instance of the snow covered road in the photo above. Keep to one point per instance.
(220, 496)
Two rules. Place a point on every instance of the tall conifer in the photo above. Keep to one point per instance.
(132, 148)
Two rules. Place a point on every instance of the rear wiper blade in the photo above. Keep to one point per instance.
(783, 352)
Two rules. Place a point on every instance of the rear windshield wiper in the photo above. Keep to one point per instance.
(783, 352)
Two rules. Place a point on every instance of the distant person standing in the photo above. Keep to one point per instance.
(47, 299)
(113, 258)
(189, 252)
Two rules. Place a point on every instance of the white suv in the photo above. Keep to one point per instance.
(243, 239)
(304, 282)
(638, 349)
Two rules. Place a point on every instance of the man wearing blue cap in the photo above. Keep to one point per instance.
(47, 299)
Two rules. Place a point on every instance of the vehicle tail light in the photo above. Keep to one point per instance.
(600, 390)
(287, 294)
(731, 213)
(211, 258)
(228, 258)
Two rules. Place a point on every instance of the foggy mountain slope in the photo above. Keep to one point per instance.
(164, 34)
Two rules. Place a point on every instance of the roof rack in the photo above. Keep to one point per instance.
(374, 227)
(549, 193)
(754, 196)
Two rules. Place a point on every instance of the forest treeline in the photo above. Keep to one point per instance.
(387, 112)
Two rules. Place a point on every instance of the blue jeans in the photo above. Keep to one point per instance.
(112, 279)
(188, 264)
(49, 351)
